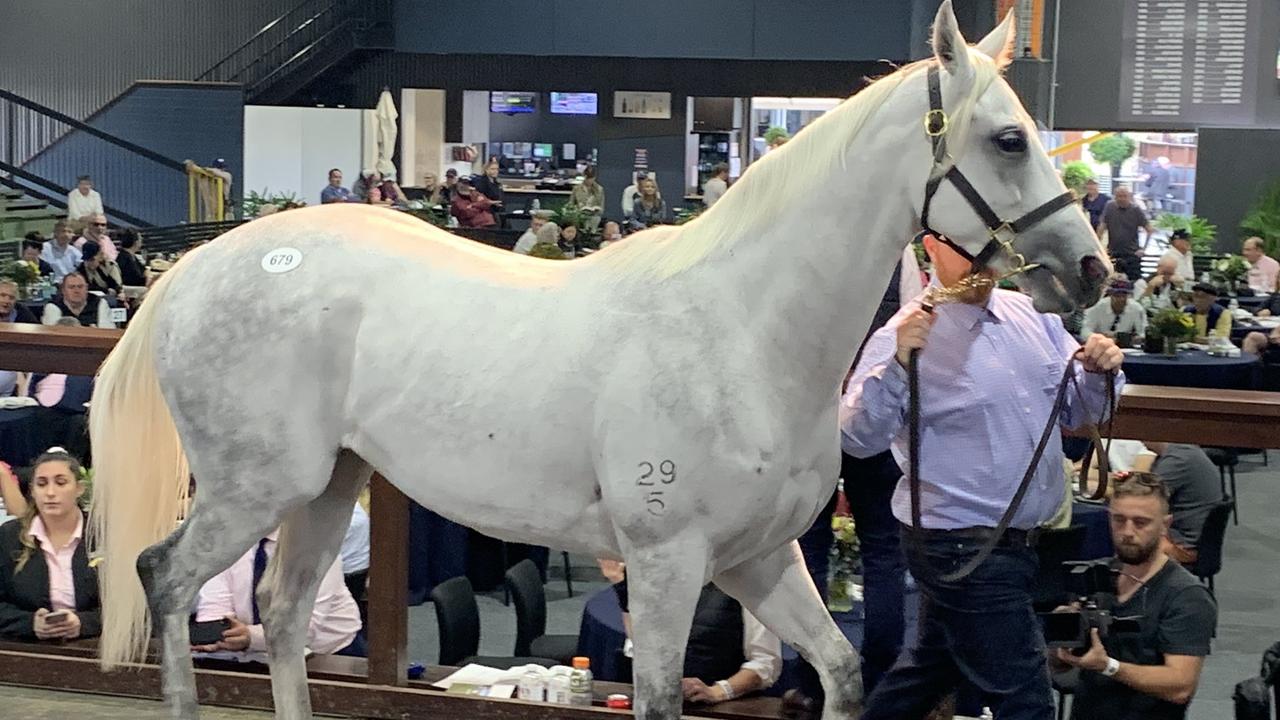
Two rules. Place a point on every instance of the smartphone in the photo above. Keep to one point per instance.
(59, 616)
(208, 632)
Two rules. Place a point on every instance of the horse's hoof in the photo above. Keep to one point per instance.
(798, 706)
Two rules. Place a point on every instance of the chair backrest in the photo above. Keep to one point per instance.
(525, 583)
(1054, 548)
(1209, 548)
(458, 618)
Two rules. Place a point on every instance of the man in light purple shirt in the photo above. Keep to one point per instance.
(989, 371)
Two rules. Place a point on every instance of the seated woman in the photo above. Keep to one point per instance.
(648, 207)
(47, 589)
(730, 653)
(103, 274)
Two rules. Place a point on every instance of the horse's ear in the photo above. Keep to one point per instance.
(949, 46)
(998, 44)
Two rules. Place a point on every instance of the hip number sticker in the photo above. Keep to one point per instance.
(282, 260)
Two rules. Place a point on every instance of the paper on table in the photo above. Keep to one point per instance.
(502, 683)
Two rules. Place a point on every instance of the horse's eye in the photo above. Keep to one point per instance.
(1012, 141)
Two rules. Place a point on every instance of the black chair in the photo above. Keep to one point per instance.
(524, 582)
(1209, 549)
(459, 621)
(1054, 548)
(1226, 459)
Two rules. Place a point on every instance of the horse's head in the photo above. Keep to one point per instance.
(1015, 203)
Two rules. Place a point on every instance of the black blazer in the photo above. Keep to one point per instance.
(23, 593)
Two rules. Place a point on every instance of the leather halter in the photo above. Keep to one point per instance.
(1002, 232)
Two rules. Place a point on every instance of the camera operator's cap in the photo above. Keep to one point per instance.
(1120, 287)
(1206, 288)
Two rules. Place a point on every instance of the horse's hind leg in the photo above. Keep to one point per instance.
(173, 571)
(310, 540)
(777, 589)
(663, 585)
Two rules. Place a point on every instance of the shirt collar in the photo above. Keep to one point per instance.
(38, 532)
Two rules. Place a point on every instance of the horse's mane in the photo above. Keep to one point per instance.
(811, 156)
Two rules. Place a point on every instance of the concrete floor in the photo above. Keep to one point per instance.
(1248, 595)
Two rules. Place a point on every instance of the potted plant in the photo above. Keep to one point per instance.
(1075, 175)
(1169, 327)
(775, 134)
(1201, 231)
(1263, 219)
(1113, 150)
(1230, 270)
(23, 274)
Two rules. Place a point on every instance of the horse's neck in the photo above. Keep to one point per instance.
(813, 277)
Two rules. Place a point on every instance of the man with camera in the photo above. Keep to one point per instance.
(1150, 674)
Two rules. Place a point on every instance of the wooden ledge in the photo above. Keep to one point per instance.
(55, 348)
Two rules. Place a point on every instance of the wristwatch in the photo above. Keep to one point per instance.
(1113, 667)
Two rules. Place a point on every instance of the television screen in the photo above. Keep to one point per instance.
(573, 103)
(506, 101)
(543, 150)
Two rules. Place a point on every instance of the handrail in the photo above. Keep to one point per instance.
(280, 43)
(91, 130)
(194, 174)
(265, 28)
(58, 199)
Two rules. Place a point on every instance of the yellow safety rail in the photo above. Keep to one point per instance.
(1062, 149)
(206, 194)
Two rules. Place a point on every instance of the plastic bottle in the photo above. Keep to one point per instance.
(537, 205)
(532, 686)
(558, 685)
(580, 682)
(1234, 305)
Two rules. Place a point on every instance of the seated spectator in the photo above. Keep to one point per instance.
(61, 415)
(1180, 252)
(132, 271)
(450, 185)
(32, 246)
(529, 237)
(1194, 488)
(12, 503)
(588, 198)
(368, 179)
(1263, 269)
(83, 203)
(1266, 347)
(47, 589)
(1208, 314)
(547, 244)
(716, 185)
(334, 192)
(10, 310)
(96, 231)
(611, 233)
(472, 209)
(1116, 314)
(74, 301)
(568, 241)
(487, 184)
(102, 274)
(647, 207)
(730, 653)
(1161, 289)
(1154, 673)
(430, 194)
(629, 194)
(355, 560)
(59, 253)
(335, 619)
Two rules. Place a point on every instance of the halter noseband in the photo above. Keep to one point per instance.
(1002, 233)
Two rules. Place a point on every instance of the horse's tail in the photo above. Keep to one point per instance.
(140, 477)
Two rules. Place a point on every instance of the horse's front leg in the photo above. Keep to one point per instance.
(663, 585)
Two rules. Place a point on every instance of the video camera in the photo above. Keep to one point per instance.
(1093, 585)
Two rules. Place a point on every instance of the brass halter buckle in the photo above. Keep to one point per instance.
(1017, 262)
(936, 123)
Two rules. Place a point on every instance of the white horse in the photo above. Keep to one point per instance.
(670, 400)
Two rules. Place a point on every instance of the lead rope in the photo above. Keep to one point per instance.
(915, 532)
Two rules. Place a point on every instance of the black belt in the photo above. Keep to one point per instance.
(1010, 538)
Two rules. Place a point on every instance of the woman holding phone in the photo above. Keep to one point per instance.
(47, 589)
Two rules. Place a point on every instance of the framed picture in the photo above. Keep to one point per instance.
(642, 105)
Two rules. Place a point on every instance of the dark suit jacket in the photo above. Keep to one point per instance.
(23, 315)
(23, 593)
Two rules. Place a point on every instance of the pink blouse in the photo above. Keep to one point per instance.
(62, 589)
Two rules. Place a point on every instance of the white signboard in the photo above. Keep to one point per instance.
(644, 105)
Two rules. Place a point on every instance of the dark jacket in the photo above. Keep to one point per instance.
(488, 187)
(131, 270)
(22, 315)
(23, 593)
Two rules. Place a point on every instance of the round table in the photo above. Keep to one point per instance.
(1248, 302)
(18, 442)
(601, 636)
(1240, 329)
(1193, 368)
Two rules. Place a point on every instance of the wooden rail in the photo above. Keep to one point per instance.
(1231, 418)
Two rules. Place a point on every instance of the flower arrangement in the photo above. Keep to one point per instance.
(1230, 270)
(845, 561)
(1172, 323)
(21, 272)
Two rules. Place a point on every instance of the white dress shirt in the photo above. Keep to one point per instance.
(1186, 268)
(335, 620)
(62, 260)
(52, 314)
(80, 205)
(355, 546)
(1102, 319)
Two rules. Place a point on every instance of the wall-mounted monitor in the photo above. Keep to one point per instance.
(512, 103)
(543, 150)
(581, 103)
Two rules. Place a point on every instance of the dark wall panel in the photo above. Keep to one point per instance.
(833, 29)
(75, 55)
(1229, 177)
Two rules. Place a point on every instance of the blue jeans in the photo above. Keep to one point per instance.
(869, 485)
(981, 629)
